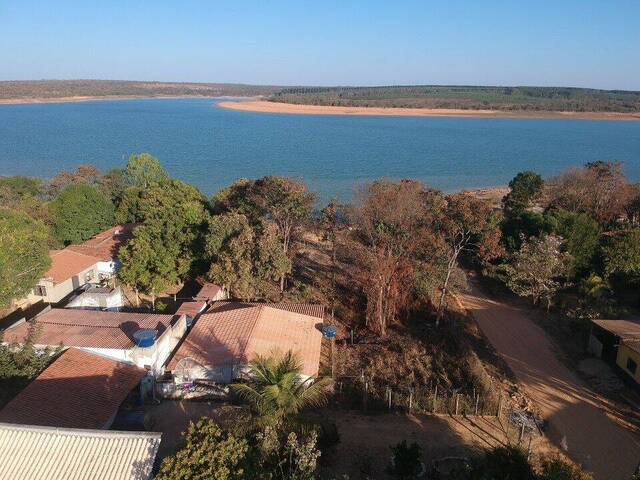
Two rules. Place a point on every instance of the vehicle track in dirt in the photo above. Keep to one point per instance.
(578, 419)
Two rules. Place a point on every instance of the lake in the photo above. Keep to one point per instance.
(211, 147)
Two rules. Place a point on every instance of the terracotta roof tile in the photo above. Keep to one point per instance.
(191, 309)
(311, 309)
(237, 333)
(105, 245)
(208, 292)
(88, 328)
(67, 263)
(78, 390)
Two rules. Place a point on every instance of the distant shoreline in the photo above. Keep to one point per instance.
(79, 99)
(261, 106)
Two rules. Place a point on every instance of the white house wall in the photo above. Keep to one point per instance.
(56, 292)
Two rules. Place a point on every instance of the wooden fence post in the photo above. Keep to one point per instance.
(410, 399)
(366, 395)
(389, 397)
(477, 402)
(435, 399)
(499, 412)
(457, 402)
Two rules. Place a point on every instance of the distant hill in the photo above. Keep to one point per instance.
(522, 99)
(469, 98)
(58, 89)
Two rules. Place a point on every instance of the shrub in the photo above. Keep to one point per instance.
(406, 459)
(556, 468)
(208, 453)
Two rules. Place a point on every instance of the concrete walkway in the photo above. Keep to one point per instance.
(575, 414)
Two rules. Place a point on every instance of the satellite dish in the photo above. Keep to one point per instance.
(188, 370)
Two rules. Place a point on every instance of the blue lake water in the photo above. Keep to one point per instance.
(211, 147)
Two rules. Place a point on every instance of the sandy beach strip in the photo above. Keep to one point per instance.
(262, 106)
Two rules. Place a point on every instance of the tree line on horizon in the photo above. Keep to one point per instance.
(466, 97)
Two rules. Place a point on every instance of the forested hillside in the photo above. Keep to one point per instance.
(466, 97)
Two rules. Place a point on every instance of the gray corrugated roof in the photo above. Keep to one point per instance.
(39, 453)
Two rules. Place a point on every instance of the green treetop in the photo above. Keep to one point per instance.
(24, 254)
(80, 211)
(143, 171)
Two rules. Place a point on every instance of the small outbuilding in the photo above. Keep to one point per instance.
(617, 342)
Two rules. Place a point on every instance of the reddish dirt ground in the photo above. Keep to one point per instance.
(579, 421)
(365, 443)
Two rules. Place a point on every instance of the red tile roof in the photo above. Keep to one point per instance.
(88, 328)
(105, 245)
(66, 264)
(311, 309)
(78, 390)
(75, 259)
(192, 309)
(209, 291)
(237, 333)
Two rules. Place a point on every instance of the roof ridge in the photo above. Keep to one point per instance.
(253, 328)
(80, 431)
(69, 248)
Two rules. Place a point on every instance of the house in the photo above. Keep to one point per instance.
(44, 453)
(76, 265)
(229, 335)
(618, 343)
(78, 390)
(69, 271)
(142, 339)
(210, 292)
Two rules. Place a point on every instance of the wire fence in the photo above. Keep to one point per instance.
(360, 392)
(519, 427)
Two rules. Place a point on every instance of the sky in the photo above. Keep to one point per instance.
(582, 43)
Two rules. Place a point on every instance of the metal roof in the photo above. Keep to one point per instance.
(46, 453)
(620, 328)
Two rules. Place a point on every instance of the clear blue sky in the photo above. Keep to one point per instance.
(586, 43)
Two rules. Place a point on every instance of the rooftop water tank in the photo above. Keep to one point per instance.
(145, 338)
(329, 331)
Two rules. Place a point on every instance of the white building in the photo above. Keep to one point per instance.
(98, 297)
(110, 334)
(77, 265)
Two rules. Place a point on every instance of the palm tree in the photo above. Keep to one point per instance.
(276, 389)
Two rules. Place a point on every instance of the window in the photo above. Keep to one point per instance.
(632, 366)
(40, 290)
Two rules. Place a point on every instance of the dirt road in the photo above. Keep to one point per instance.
(576, 416)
